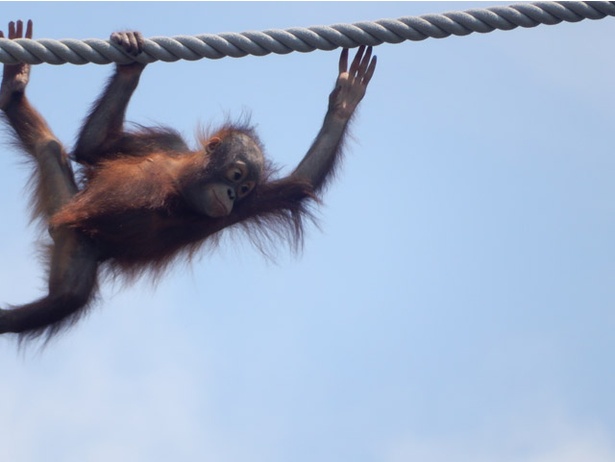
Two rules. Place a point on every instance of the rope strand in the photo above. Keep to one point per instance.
(304, 40)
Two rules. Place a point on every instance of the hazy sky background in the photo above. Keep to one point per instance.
(457, 303)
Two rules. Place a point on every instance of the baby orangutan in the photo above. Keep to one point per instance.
(145, 197)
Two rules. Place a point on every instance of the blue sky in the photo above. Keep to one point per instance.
(457, 302)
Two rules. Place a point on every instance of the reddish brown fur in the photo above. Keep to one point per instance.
(135, 212)
(135, 220)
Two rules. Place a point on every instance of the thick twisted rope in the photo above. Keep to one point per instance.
(305, 39)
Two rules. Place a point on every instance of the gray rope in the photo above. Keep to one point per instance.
(305, 39)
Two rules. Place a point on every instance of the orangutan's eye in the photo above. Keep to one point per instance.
(237, 172)
(245, 189)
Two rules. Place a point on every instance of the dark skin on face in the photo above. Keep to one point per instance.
(146, 198)
(237, 178)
